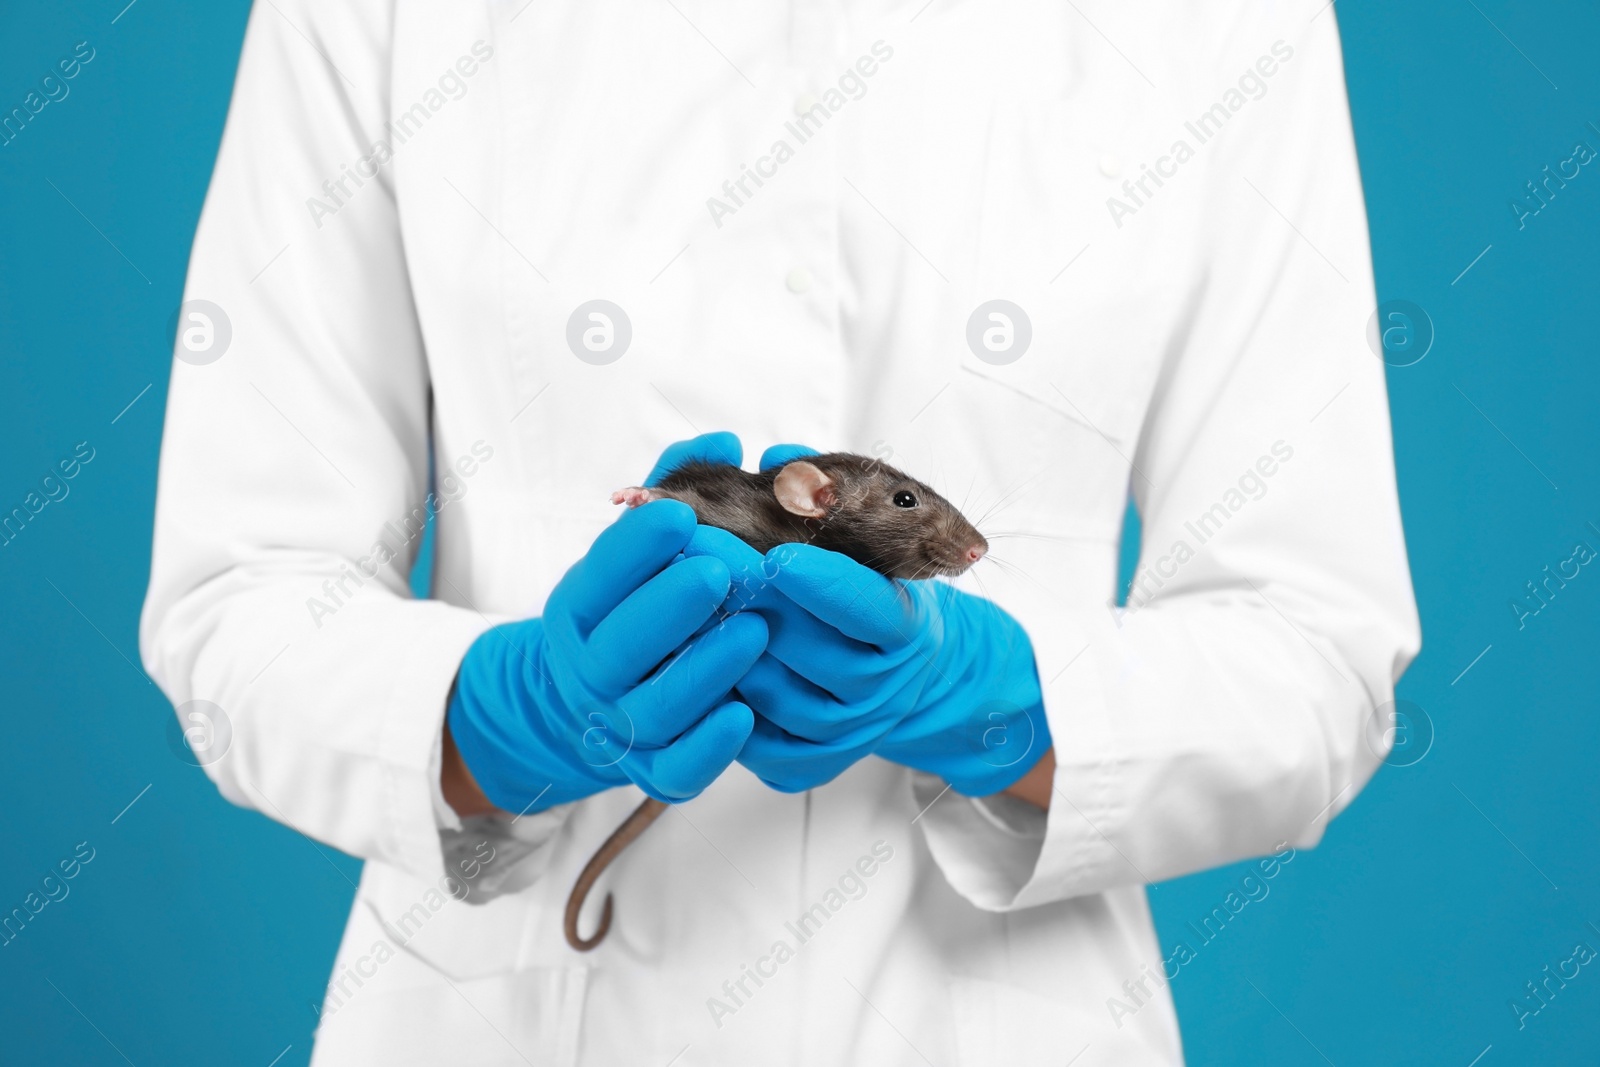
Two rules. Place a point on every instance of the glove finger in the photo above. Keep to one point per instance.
(720, 447)
(791, 764)
(857, 601)
(813, 648)
(845, 667)
(695, 680)
(778, 455)
(792, 702)
(656, 618)
(625, 555)
(741, 560)
(750, 587)
(683, 769)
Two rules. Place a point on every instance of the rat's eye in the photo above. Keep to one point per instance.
(903, 499)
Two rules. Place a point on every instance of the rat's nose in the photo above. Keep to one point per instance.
(975, 552)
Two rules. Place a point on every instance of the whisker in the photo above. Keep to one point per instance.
(968, 496)
(1061, 538)
(1004, 564)
(1013, 492)
(976, 577)
(1022, 484)
(1013, 569)
(975, 495)
(874, 559)
(1016, 568)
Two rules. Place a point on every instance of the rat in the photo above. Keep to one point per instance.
(856, 505)
(878, 516)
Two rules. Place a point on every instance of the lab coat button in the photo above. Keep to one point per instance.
(1110, 165)
(799, 280)
(804, 103)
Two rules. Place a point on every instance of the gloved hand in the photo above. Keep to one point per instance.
(926, 675)
(552, 709)
(916, 672)
(979, 723)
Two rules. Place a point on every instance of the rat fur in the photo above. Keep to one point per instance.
(877, 515)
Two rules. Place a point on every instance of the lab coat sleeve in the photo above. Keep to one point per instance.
(294, 468)
(1237, 703)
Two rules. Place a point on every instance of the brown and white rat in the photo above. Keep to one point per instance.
(878, 516)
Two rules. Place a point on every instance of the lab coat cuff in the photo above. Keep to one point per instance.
(1003, 854)
(444, 816)
(986, 848)
(409, 744)
(500, 853)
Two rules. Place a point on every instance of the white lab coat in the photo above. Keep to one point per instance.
(1205, 342)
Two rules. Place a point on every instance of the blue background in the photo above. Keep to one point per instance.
(201, 933)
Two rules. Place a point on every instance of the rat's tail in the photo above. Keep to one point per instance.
(635, 824)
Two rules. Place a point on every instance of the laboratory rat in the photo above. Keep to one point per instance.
(878, 516)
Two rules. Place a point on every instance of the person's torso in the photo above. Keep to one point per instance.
(877, 229)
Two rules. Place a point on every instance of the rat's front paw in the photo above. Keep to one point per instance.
(633, 496)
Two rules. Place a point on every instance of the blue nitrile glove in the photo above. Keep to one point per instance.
(814, 648)
(553, 709)
(917, 672)
(980, 723)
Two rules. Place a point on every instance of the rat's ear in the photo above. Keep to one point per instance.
(803, 489)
